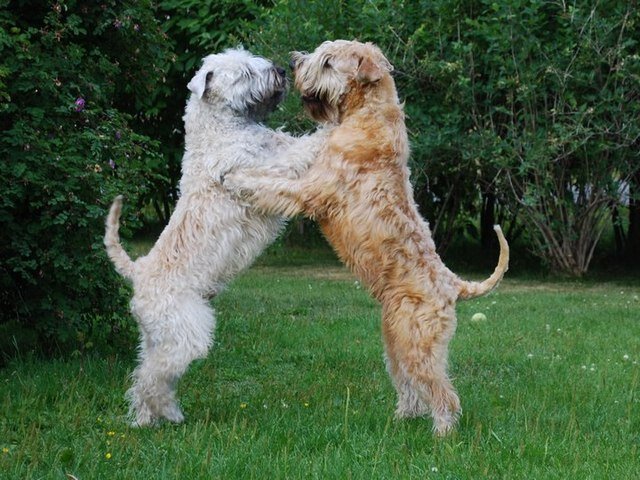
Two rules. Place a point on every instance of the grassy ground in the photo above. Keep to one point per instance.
(296, 388)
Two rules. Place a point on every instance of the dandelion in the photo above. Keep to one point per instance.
(434, 469)
(111, 433)
(107, 455)
(79, 104)
(306, 404)
(625, 357)
(5, 450)
(243, 405)
(530, 355)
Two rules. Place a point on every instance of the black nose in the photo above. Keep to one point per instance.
(292, 65)
(281, 71)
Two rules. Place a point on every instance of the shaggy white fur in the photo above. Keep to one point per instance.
(211, 235)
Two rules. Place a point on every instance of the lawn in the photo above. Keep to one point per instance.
(296, 388)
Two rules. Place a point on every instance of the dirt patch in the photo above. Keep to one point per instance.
(315, 272)
(508, 285)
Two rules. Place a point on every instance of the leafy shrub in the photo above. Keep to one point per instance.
(525, 112)
(552, 95)
(72, 77)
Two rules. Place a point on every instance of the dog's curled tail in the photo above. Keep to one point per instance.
(123, 263)
(475, 289)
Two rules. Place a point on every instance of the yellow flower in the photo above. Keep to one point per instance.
(243, 405)
(108, 456)
(5, 450)
(111, 434)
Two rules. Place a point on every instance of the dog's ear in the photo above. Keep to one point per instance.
(198, 83)
(370, 70)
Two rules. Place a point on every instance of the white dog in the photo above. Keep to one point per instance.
(211, 235)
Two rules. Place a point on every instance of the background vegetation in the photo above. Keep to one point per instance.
(522, 112)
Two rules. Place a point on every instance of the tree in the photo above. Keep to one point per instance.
(192, 29)
(556, 98)
(72, 76)
(444, 180)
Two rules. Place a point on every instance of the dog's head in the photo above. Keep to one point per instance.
(336, 72)
(247, 84)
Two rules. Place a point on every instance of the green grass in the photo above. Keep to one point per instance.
(296, 388)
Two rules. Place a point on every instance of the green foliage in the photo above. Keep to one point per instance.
(531, 104)
(192, 29)
(444, 178)
(72, 76)
(552, 89)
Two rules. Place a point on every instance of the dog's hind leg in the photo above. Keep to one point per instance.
(183, 335)
(409, 404)
(416, 338)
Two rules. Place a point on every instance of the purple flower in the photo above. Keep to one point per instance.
(79, 104)
(136, 27)
(117, 24)
(118, 135)
(112, 164)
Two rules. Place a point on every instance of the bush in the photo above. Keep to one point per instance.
(72, 77)
(520, 112)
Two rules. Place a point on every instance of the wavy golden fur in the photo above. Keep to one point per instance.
(358, 190)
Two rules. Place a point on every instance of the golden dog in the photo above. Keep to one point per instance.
(358, 190)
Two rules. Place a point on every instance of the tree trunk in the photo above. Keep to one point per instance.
(487, 221)
(633, 234)
(618, 231)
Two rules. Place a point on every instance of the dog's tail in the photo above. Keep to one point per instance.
(475, 289)
(123, 263)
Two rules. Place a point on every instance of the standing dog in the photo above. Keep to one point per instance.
(359, 192)
(211, 236)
